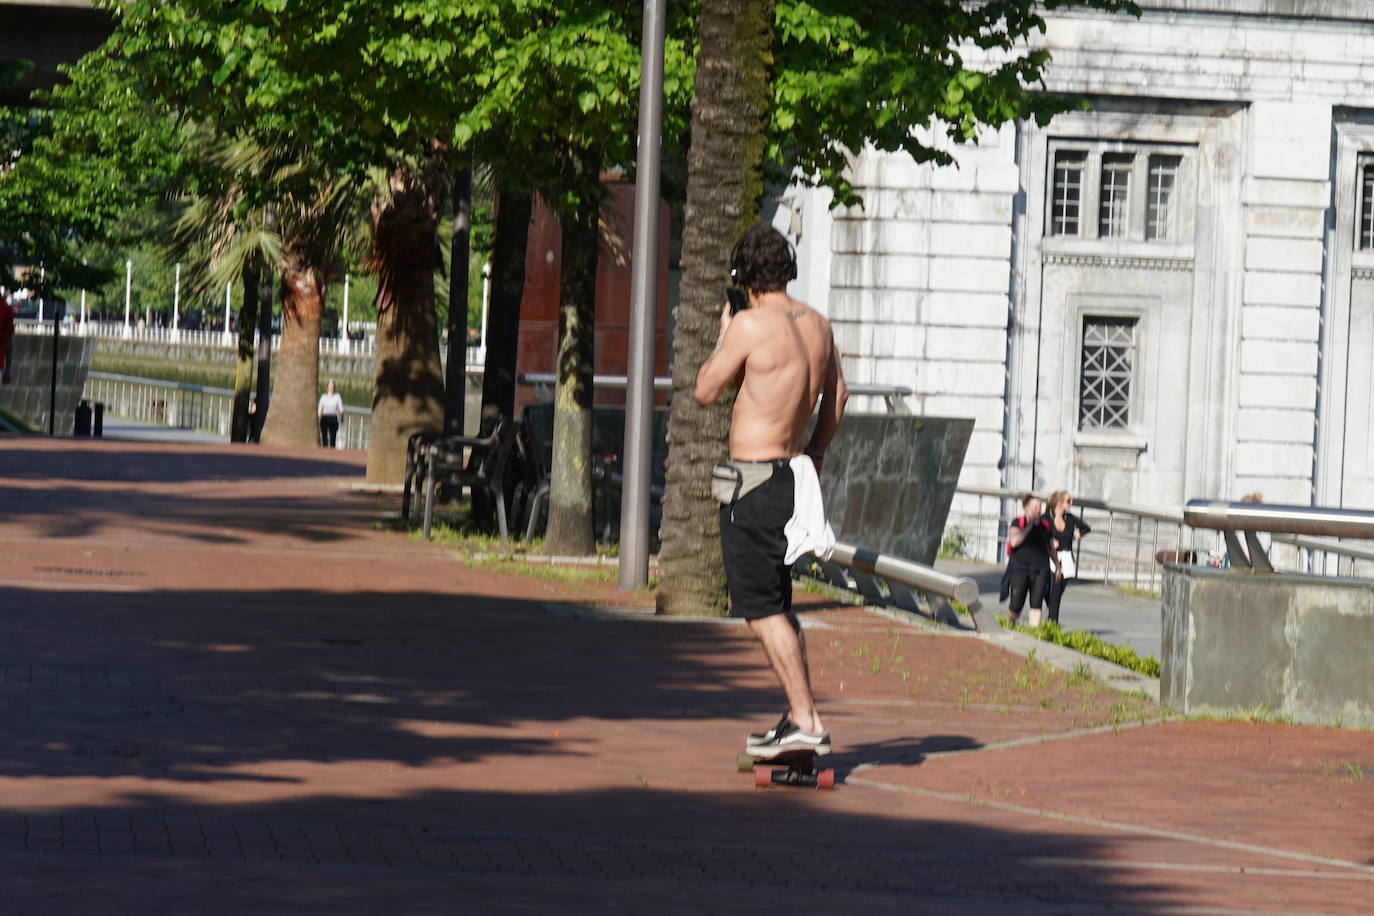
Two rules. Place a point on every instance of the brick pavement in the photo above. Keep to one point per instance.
(227, 689)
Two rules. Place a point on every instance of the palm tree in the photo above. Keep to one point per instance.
(724, 186)
(266, 209)
(408, 396)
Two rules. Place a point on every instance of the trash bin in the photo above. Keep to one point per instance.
(82, 425)
(99, 420)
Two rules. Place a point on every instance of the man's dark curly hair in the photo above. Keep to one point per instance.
(762, 260)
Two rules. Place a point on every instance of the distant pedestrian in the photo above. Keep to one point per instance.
(330, 411)
(1067, 530)
(1032, 562)
(6, 339)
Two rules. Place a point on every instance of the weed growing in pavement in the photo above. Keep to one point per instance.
(954, 546)
(1345, 772)
(1254, 714)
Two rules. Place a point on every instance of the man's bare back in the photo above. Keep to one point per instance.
(782, 352)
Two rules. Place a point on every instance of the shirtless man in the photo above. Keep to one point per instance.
(783, 355)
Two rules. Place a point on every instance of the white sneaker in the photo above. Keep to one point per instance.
(789, 739)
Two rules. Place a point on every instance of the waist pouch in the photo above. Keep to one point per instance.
(733, 480)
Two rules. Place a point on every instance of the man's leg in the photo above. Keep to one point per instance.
(782, 643)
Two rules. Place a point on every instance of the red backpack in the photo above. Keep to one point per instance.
(1020, 522)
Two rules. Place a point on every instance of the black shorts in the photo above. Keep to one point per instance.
(754, 545)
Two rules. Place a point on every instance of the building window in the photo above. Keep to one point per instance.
(1114, 201)
(1105, 381)
(1068, 191)
(1160, 205)
(1122, 193)
(1367, 207)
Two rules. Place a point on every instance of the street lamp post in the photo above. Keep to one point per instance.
(639, 403)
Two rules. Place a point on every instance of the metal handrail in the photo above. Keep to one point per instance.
(1124, 548)
(614, 382)
(1154, 514)
(1277, 519)
(1251, 518)
(900, 576)
(1326, 546)
(893, 393)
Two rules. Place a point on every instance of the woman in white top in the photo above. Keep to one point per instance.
(329, 412)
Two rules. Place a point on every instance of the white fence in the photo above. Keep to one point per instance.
(193, 407)
(117, 330)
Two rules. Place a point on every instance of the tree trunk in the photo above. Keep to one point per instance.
(295, 393)
(456, 372)
(409, 393)
(240, 422)
(724, 184)
(264, 387)
(569, 531)
(503, 306)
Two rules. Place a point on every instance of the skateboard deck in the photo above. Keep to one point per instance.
(793, 768)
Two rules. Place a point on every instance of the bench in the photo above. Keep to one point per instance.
(608, 432)
(476, 462)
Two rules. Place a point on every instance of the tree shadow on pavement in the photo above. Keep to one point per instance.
(128, 463)
(288, 751)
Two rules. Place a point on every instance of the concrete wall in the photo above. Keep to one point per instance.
(29, 392)
(1291, 645)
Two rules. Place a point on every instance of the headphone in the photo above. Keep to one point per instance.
(791, 263)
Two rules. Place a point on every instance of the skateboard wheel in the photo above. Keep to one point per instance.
(825, 779)
(762, 777)
(744, 762)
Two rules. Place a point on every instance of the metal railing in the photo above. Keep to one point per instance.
(193, 407)
(1302, 526)
(543, 384)
(884, 579)
(1124, 547)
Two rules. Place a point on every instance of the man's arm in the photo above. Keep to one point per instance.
(727, 359)
(834, 395)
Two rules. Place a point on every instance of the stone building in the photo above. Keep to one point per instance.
(1169, 296)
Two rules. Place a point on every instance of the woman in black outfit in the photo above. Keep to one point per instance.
(1032, 556)
(1065, 529)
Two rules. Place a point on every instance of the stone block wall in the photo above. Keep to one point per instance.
(919, 285)
(28, 395)
(888, 481)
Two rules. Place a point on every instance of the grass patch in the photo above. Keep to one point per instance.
(1088, 644)
(476, 546)
(1127, 590)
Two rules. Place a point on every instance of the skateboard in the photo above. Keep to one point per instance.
(793, 768)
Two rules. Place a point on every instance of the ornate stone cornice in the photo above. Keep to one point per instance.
(1118, 261)
(1362, 273)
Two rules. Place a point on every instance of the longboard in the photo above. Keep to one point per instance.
(793, 768)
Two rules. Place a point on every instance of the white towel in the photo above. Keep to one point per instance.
(807, 530)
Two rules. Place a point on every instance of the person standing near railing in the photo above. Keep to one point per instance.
(1066, 529)
(330, 412)
(1032, 561)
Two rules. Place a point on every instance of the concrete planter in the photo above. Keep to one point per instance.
(1292, 645)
